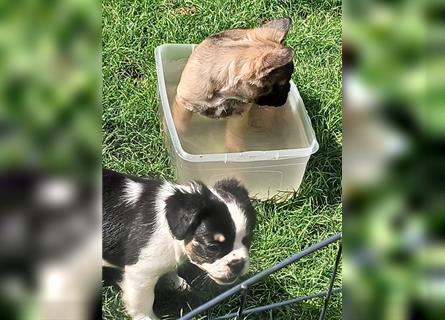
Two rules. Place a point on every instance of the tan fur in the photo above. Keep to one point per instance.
(227, 72)
(190, 252)
(219, 237)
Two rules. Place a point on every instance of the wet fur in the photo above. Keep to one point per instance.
(234, 73)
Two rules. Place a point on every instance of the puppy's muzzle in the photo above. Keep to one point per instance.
(276, 98)
(236, 266)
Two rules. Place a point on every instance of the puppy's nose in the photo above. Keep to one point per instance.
(236, 265)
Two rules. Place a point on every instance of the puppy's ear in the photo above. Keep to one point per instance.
(233, 187)
(275, 59)
(281, 25)
(183, 211)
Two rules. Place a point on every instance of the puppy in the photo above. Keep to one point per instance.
(232, 74)
(151, 226)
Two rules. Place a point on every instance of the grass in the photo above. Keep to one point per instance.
(132, 142)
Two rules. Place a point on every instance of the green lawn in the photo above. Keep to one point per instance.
(132, 142)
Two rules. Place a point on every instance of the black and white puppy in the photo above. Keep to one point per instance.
(150, 226)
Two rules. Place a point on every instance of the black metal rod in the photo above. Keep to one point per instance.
(242, 303)
(279, 304)
(331, 284)
(211, 303)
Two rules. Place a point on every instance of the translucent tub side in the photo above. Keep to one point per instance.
(263, 179)
(169, 52)
(264, 173)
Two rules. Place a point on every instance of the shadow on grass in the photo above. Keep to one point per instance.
(171, 304)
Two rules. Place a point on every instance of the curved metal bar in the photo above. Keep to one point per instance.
(242, 303)
(279, 304)
(331, 284)
(259, 276)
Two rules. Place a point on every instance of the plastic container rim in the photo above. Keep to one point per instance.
(245, 156)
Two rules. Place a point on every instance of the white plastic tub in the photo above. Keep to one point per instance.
(265, 171)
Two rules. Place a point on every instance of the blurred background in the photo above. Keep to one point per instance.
(50, 75)
(393, 159)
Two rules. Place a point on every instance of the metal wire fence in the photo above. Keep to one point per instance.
(244, 286)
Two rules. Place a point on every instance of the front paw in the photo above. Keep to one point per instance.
(145, 317)
(181, 285)
(234, 144)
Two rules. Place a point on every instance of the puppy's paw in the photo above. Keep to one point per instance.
(234, 145)
(180, 284)
(145, 317)
(234, 142)
(184, 286)
(137, 312)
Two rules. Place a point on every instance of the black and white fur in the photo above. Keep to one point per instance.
(151, 226)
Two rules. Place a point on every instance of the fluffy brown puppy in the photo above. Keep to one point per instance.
(234, 73)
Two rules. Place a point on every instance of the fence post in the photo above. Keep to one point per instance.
(331, 284)
(244, 289)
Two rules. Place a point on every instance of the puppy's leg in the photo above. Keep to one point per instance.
(177, 282)
(138, 293)
(266, 119)
(181, 118)
(236, 131)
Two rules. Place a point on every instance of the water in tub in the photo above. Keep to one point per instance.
(268, 129)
